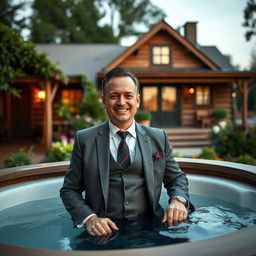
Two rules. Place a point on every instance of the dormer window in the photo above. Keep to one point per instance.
(160, 55)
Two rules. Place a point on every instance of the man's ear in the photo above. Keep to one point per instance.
(138, 101)
(103, 99)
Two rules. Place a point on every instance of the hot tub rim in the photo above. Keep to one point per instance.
(230, 243)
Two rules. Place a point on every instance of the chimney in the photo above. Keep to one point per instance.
(190, 32)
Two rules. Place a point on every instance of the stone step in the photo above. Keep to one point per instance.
(188, 137)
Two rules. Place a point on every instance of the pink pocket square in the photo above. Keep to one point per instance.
(157, 155)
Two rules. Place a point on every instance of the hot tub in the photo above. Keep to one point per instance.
(234, 183)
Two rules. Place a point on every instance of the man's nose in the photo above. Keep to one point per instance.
(121, 100)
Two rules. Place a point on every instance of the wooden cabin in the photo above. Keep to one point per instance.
(181, 82)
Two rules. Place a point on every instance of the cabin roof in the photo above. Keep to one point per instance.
(213, 53)
(76, 59)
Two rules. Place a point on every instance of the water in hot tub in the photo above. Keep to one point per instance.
(46, 224)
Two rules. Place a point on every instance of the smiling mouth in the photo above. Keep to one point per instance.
(122, 110)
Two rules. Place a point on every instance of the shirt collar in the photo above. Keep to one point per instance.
(113, 129)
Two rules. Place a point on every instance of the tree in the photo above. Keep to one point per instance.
(9, 14)
(70, 21)
(250, 19)
(84, 21)
(132, 14)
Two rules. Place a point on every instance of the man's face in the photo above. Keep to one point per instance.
(121, 101)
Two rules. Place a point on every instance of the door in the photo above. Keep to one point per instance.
(163, 103)
(21, 115)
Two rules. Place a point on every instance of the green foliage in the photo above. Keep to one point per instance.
(219, 114)
(246, 159)
(72, 21)
(86, 113)
(18, 159)
(143, 115)
(208, 153)
(60, 151)
(19, 58)
(249, 19)
(81, 21)
(232, 141)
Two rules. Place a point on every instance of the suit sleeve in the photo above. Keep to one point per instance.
(73, 186)
(175, 180)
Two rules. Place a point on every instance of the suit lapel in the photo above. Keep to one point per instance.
(146, 151)
(103, 159)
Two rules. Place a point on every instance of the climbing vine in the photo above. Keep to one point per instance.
(19, 58)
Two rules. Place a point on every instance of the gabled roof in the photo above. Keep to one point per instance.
(162, 25)
(77, 59)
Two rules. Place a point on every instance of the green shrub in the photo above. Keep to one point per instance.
(87, 112)
(208, 153)
(18, 159)
(234, 141)
(143, 115)
(246, 159)
(219, 114)
(59, 151)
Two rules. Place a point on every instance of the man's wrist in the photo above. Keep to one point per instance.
(92, 218)
(182, 200)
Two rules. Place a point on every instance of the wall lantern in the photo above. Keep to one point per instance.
(41, 95)
(191, 90)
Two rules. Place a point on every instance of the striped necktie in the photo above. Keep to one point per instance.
(123, 154)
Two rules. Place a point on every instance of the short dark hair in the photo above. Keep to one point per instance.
(119, 72)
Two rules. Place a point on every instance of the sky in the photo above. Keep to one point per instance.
(219, 24)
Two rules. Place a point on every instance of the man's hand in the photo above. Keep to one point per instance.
(175, 213)
(100, 226)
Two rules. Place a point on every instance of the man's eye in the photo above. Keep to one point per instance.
(113, 97)
(129, 96)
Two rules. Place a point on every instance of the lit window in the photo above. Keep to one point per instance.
(203, 95)
(71, 96)
(161, 55)
(150, 95)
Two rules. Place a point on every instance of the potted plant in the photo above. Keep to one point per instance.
(219, 115)
(143, 117)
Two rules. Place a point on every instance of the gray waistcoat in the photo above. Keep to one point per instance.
(127, 189)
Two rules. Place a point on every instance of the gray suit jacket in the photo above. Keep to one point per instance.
(89, 171)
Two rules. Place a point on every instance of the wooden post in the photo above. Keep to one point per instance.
(245, 92)
(48, 116)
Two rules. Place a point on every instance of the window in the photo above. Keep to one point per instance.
(71, 96)
(203, 95)
(168, 98)
(150, 95)
(161, 55)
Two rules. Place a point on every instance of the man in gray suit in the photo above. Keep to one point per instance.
(121, 165)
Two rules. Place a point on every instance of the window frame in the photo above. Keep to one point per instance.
(152, 55)
(210, 96)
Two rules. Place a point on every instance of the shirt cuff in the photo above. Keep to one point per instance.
(84, 221)
(187, 202)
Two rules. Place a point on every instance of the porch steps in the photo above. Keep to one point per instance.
(188, 137)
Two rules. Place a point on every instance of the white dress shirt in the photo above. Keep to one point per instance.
(115, 139)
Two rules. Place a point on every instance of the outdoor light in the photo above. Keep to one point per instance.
(191, 90)
(41, 95)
